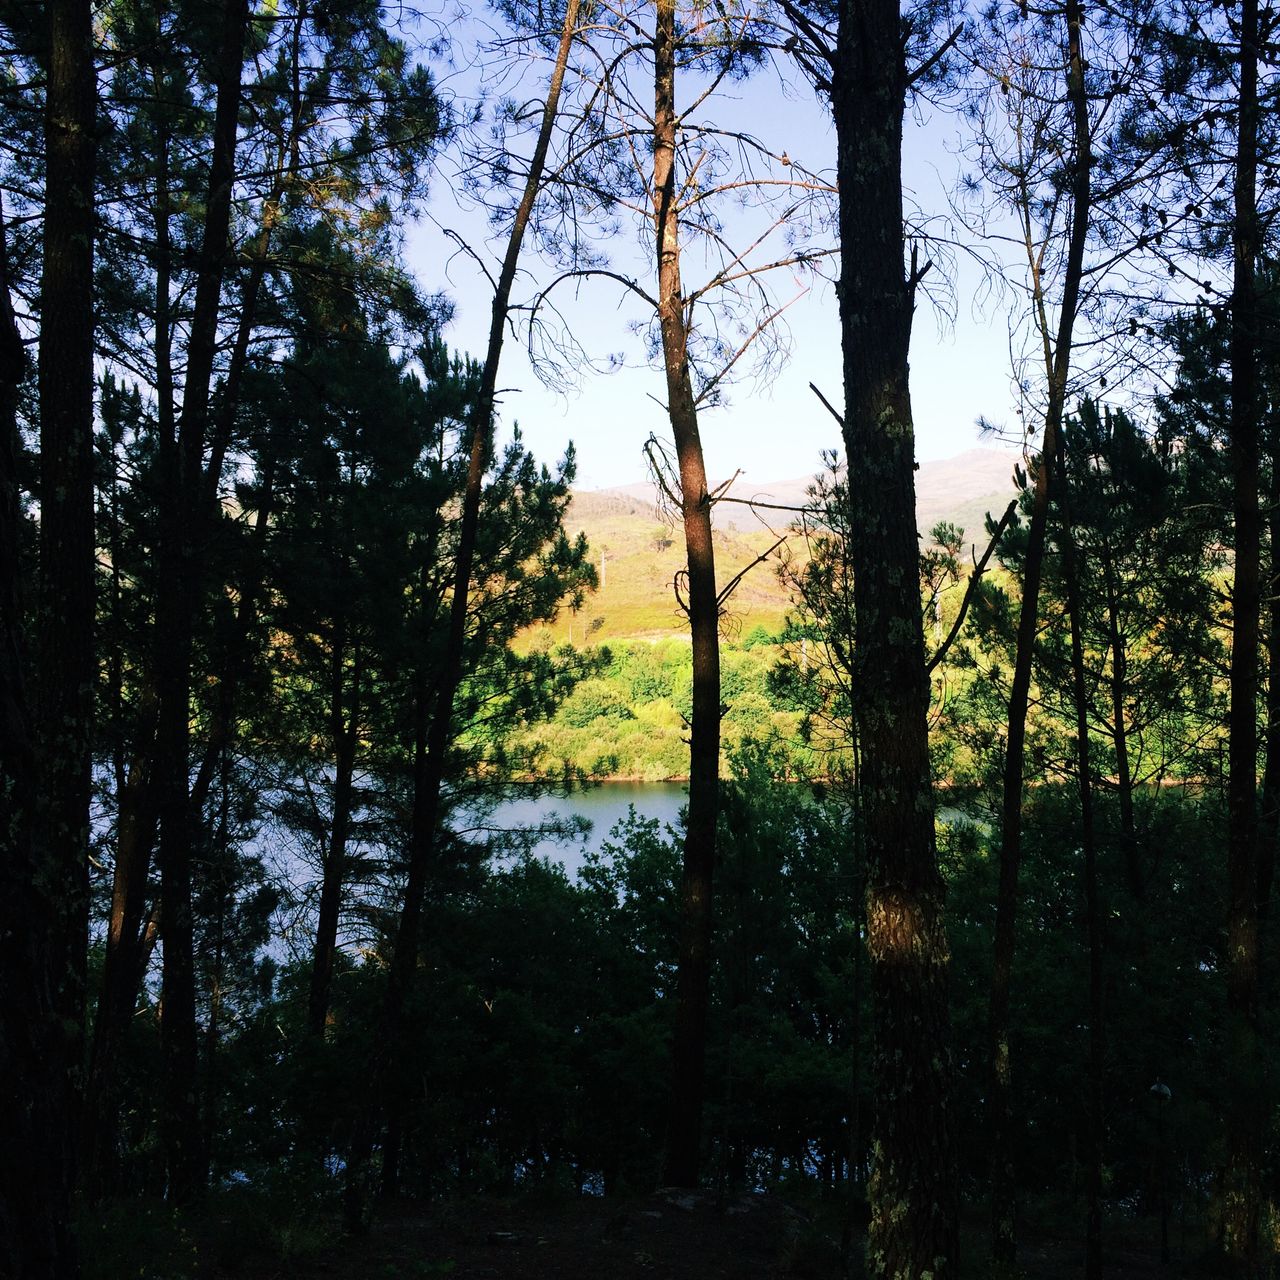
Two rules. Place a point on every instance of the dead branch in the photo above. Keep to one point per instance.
(733, 582)
(935, 57)
(830, 407)
(970, 590)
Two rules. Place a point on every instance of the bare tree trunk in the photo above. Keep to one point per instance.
(913, 1189)
(345, 732)
(1093, 913)
(684, 1119)
(177, 596)
(123, 965)
(1242, 1193)
(1269, 819)
(137, 814)
(45, 757)
(32, 1239)
(429, 779)
(1119, 687)
(1057, 360)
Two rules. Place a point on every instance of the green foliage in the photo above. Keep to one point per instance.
(144, 1239)
(631, 720)
(538, 1050)
(1163, 977)
(539, 1039)
(595, 700)
(1149, 618)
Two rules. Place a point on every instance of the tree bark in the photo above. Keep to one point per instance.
(1269, 818)
(913, 1188)
(29, 1240)
(1242, 1192)
(684, 1118)
(177, 594)
(345, 732)
(1057, 362)
(1071, 570)
(430, 777)
(45, 759)
(32, 1180)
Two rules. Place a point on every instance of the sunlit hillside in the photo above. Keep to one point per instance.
(638, 553)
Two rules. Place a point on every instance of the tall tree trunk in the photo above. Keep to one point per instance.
(345, 733)
(65, 665)
(913, 1189)
(1071, 570)
(684, 1118)
(177, 596)
(856, 1191)
(123, 965)
(1269, 819)
(137, 803)
(1057, 350)
(421, 835)
(24, 1239)
(1245, 1111)
(33, 1242)
(1119, 687)
(429, 780)
(45, 757)
(1002, 1125)
(238, 654)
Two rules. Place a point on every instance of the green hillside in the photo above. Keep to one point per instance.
(638, 557)
(638, 554)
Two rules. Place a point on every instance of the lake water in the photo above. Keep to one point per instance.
(602, 806)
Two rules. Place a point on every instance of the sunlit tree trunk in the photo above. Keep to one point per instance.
(913, 1190)
(684, 1119)
(430, 769)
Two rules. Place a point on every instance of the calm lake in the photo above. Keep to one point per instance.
(602, 806)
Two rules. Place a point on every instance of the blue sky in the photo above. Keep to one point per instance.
(772, 431)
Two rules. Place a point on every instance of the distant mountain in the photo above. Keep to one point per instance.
(639, 552)
(960, 489)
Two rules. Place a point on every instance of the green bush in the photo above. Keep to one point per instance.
(596, 699)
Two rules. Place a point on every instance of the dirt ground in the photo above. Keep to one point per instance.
(667, 1236)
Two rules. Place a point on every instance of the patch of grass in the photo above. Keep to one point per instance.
(285, 1220)
(136, 1240)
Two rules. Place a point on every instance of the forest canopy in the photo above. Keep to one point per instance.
(958, 960)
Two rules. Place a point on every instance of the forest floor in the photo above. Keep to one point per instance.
(666, 1236)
